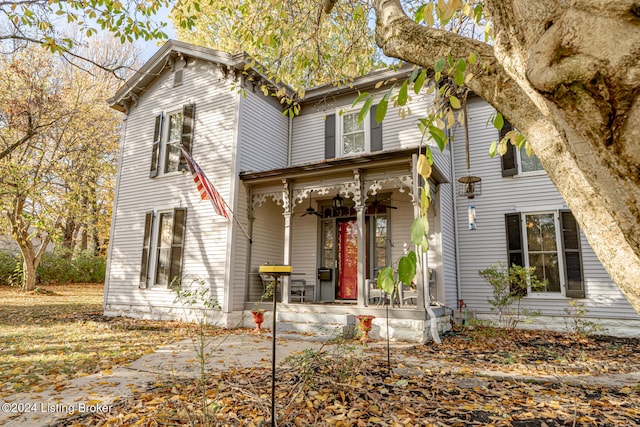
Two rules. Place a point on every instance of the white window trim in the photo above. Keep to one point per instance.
(559, 243)
(540, 172)
(340, 113)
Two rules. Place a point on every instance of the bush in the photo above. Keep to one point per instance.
(61, 266)
(10, 268)
(509, 286)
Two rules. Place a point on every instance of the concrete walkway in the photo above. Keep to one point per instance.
(95, 393)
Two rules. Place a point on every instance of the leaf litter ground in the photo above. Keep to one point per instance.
(480, 377)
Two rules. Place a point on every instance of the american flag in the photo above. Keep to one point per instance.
(206, 189)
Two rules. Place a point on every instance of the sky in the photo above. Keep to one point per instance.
(151, 47)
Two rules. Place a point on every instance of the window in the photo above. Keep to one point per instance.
(162, 248)
(517, 162)
(550, 242)
(354, 135)
(528, 163)
(171, 146)
(347, 137)
(171, 130)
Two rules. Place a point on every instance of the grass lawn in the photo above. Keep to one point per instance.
(58, 332)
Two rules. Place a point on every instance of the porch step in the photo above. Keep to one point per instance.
(315, 326)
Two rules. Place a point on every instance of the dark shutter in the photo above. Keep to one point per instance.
(188, 115)
(330, 136)
(574, 282)
(376, 130)
(146, 248)
(514, 239)
(155, 150)
(177, 243)
(509, 159)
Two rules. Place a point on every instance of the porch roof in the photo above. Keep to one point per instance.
(322, 167)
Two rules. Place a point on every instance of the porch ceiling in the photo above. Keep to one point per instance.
(323, 167)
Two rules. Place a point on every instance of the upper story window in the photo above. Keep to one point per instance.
(171, 147)
(344, 136)
(516, 161)
(354, 135)
(172, 130)
(528, 163)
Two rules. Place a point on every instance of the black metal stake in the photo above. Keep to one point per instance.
(273, 356)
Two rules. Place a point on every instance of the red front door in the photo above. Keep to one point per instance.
(348, 259)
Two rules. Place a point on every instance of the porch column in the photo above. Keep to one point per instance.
(422, 274)
(358, 199)
(288, 214)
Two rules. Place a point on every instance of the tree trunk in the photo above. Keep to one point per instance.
(29, 273)
(567, 75)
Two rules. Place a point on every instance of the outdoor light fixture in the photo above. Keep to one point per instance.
(337, 201)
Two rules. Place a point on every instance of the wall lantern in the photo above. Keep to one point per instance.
(337, 202)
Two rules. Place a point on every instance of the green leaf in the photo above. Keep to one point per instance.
(461, 65)
(381, 109)
(407, 269)
(473, 58)
(493, 149)
(360, 98)
(365, 109)
(458, 77)
(439, 65)
(498, 121)
(420, 81)
(455, 102)
(386, 280)
(403, 95)
(438, 136)
(419, 231)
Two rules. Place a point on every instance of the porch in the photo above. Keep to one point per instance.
(337, 223)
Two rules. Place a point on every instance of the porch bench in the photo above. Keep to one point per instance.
(300, 289)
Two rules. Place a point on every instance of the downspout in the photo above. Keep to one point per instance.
(113, 213)
(289, 141)
(455, 222)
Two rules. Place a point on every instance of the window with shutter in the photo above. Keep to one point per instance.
(574, 282)
(163, 246)
(516, 160)
(155, 150)
(146, 250)
(509, 159)
(352, 137)
(550, 242)
(188, 115)
(177, 243)
(330, 136)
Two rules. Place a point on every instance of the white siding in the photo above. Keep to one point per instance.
(268, 243)
(206, 233)
(487, 244)
(263, 133)
(397, 133)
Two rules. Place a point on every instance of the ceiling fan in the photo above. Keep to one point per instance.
(310, 210)
(377, 204)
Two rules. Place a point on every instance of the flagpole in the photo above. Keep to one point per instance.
(233, 215)
(210, 192)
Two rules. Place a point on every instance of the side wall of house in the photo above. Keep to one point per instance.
(206, 234)
(263, 135)
(487, 244)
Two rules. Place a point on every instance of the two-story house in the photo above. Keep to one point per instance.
(332, 196)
